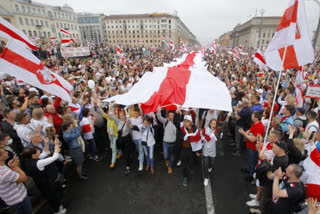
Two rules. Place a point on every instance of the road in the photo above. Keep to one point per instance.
(110, 191)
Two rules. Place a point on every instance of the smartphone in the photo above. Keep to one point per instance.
(312, 135)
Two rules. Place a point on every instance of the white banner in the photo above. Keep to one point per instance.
(313, 92)
(74, 51)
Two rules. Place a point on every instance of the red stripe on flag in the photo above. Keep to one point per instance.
(290, 60)
(290, 16)
(27, 65)
(16, 36)
(86, 128)
(258, 56)
(313, 191)
(173, 88)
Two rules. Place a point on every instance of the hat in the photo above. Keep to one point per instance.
(187, 117)
(185, 109)
(33, 90)
(259, 91)
(282, 145)
(301, 110)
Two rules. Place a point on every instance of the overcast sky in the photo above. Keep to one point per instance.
(207, 19)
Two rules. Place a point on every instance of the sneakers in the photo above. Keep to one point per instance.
(253, 196)
(62, 210)
(255, 211)
(185, 181)
(167, 163)
(253, 203)
(119, 156)
(236, 154)
(84, 177)
(152, 171)
(206, 182)
(96, 158)
(90, 157)
(148, 167)
(140, 167)
(127, 170)
(179, 163)
(169, 170)
(210, 170)
(111, 165)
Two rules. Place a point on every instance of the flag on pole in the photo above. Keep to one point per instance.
(65, 32)
(66, 42)
(52, 38)
(22, 64)
(171, 45)
(9, 31)
(119, 52)
(259, 60)
(293, 36)
(164, 40)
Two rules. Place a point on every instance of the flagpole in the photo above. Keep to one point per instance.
(274, 100)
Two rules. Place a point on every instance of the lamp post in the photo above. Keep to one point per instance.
(262, 11)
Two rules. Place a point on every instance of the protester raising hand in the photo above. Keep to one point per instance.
(312, 205)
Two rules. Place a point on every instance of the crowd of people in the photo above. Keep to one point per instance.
(41, 133)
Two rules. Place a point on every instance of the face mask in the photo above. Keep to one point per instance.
(10, 142)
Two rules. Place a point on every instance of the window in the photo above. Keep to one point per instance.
(49, 34)
(28, 10)
(46, 23)
(264, 35)
(41, 22)
(20, 21)
(23, 9)
(39, 12)
(31, 22)
(40, 34)
(24, 32)
(163, 20)
(26, 21)
(34, 10)
(37, 22)
(35, 33)
(30, 33)
(17, 7)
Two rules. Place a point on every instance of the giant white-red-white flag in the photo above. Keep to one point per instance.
(299, 87)
(311, 176)
(259, 60)
(65, 32)
(185, 83)
(19, 62)
(9, 31)
(291, 37)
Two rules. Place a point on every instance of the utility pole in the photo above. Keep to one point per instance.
(262, 11)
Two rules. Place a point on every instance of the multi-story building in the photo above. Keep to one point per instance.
(247, 34)
(146, 29)
(42, 20)
(90, 27)
(224, 39)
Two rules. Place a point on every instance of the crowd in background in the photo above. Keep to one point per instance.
(41, 134)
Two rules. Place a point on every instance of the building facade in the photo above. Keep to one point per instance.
(224, 39)
(146, 29)
(90, 27)
(247, 34)
(42, 20)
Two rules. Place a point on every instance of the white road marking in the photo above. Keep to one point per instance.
(209, 200)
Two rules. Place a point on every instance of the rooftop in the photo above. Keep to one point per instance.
(135, 16)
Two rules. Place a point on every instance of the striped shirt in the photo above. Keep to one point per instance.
(10, 192)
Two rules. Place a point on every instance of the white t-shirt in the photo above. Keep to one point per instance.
(312, 126)
(136, 122)
(207, 117)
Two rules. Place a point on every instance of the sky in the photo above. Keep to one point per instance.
(207, 19)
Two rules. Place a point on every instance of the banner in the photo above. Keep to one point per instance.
(313, 92)
(74, 51)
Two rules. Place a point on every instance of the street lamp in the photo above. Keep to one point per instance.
(262, 11)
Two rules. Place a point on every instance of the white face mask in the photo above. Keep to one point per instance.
(10, 142)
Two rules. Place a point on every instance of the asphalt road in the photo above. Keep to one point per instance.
(110, 191)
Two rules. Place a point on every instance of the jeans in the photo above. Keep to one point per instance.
(148, 150)
(208, 162)
(24, 207)
(187, 160)
(238, 138)
(168, 152)
(252, 160)
(139, 148)
(113, 144)
(92, 147)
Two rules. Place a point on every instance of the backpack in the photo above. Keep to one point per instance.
(304, 122)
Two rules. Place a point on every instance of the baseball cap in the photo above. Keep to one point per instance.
(260, 91)
(282, 145)
(187, 117)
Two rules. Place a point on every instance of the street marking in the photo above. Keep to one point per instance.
(209, 200)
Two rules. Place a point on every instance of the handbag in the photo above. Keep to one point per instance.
(120, 131)
(144, 143)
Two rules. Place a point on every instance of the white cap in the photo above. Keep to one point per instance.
(33, 90)
(187, 117)
(260, 91)
(185, 109)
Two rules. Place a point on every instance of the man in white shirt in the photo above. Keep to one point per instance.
(312, 125)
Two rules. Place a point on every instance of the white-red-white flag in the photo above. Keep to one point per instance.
(66, 42)
(9, 31)
(52, 38)
(171, 45)
(19, 62)
(119, 52)
(65, 32)
(291, 37)
(140, 41)
(259, 60)
(299, 88)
